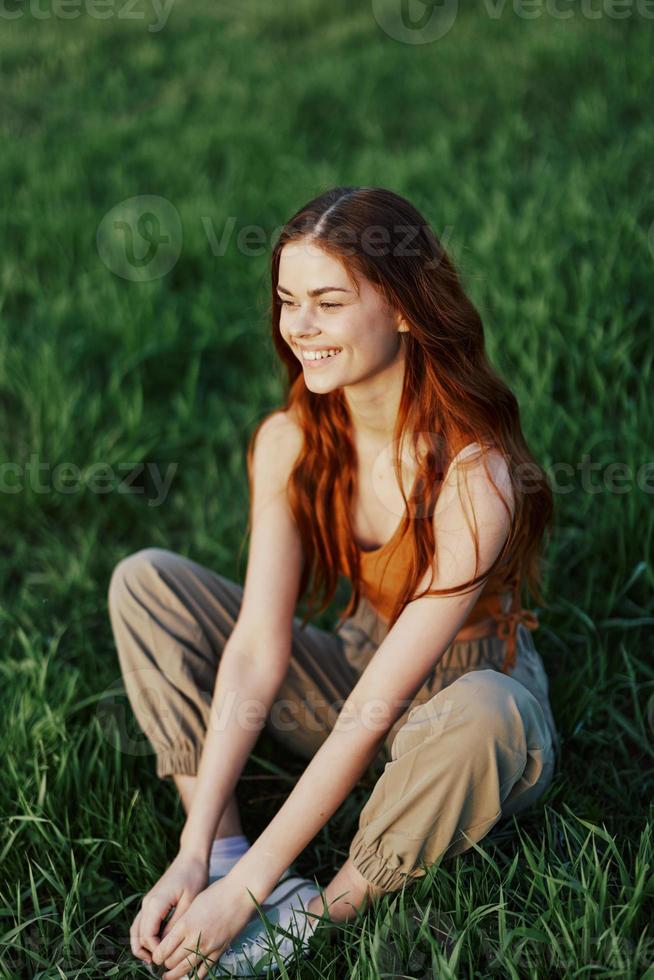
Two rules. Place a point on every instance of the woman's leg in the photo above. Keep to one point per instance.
(479, 750)
(171, 618)
(230, 822)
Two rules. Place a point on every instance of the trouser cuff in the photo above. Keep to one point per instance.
(390, 877)
(182, 760)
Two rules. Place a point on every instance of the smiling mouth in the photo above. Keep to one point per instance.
(318, 360)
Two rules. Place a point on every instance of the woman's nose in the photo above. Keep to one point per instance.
(302, 329)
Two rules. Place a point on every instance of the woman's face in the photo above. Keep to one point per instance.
(322, 311)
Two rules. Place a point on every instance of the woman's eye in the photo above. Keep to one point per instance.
(325, 306)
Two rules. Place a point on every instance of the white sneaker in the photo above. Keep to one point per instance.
(262, 946)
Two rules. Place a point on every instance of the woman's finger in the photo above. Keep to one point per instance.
(202, 971)
(181, 964)
(138, 950)
(184, 959)
(153, 913)
(184, 955)
(171, 948)
(182, 906)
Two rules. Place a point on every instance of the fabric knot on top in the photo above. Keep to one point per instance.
(507, 624)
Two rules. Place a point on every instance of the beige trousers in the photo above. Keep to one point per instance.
(474, 746)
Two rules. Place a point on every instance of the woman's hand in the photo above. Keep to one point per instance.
(181, 882)
(212, 920)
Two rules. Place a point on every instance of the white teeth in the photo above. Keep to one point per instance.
(319, 355)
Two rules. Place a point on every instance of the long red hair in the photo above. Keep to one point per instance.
(451, 393)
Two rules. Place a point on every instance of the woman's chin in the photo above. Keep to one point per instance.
(322, 380)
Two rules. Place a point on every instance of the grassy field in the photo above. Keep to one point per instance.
(525, 141)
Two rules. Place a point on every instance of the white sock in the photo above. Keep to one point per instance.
(225, 853)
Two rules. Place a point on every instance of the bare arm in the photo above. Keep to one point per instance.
(246, 686)
(256, 656)
(422, 633)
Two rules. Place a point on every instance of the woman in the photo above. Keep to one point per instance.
(432, 669)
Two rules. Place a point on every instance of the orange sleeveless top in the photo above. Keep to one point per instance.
(496, 612)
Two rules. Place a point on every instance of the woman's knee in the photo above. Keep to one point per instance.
(477, 706)
(500, 711)
(496, 705)
(132, 569)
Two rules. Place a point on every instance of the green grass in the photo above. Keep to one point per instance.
(527, 145)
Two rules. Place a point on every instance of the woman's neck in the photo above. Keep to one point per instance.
(374, 405)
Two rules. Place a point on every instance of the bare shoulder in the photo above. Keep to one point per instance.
(470, 469)
(278, 443)
(281, 424)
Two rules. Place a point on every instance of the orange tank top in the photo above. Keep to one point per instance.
(497, 611)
